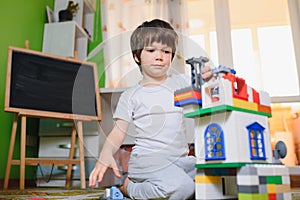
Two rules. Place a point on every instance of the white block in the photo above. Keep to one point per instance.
(287, 196)
(265, 170)
(190, 108)
(286, 180)
(250, 93)
(281, 170)
(209, 191)
(225, 93)
(264, 98)
(247, 180)
(294, 170)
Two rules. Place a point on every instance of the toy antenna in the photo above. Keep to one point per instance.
(196, 68)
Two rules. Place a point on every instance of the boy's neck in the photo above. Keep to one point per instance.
(152, 82)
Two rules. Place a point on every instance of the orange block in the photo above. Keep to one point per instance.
(191, 94)
(265, 109)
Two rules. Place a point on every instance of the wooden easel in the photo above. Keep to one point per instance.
(23, 161)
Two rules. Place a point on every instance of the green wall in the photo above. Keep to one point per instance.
(98, 58)
(24, 20)
(20, 20)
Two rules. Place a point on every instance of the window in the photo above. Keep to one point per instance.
(261, 41)
(278, 58)
(214, 142)
(202, 26)
(256, 142)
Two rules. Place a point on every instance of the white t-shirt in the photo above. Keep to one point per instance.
(160, 127)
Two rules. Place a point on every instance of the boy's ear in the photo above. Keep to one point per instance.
(136, 59)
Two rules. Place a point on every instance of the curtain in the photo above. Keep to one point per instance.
(119, 18)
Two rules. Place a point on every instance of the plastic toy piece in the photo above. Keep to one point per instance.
(187, 96)
(214, 142)
(196, 68)
(239, 86)
(256, 141)
(113, 193)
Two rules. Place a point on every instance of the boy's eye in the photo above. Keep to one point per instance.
(151, 50)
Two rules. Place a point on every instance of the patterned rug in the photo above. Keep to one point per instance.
(72, 194)
(55, 193)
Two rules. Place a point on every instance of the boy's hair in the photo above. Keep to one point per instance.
(153, 31)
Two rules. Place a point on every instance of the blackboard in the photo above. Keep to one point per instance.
(46, 85)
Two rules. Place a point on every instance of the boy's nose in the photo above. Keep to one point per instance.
(159, 54)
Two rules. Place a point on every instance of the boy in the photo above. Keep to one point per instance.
(159, 165)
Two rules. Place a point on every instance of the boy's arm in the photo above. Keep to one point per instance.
(106, 160)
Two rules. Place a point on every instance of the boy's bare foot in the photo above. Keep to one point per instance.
(123, 188)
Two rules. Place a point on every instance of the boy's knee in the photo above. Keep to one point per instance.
(183, 189)
(145, 190)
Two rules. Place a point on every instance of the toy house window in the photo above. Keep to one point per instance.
(256, 142)
(214, 142)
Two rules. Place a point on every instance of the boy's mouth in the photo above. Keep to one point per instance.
(158, 65)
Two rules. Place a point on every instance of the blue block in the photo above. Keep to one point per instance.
(279, 196)
(221, 172)
(115, 193)
(262, 180)
(248, 189)
(187, 102)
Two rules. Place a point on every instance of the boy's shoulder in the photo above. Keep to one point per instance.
(130, 90)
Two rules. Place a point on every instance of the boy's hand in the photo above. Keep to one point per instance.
(99, 171)
(207, 73)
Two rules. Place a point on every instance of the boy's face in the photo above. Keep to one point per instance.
(155, 60)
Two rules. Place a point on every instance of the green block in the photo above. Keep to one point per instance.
(243, 196)
(225, 165)
(274, 180)
(222, 108)
(220, 165)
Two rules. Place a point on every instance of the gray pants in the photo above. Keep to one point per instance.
(161, 178)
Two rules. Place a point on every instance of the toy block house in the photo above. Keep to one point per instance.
(232, 140)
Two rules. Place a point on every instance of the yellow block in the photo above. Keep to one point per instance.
(244, 104)
(271, 188)
(208, 179)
